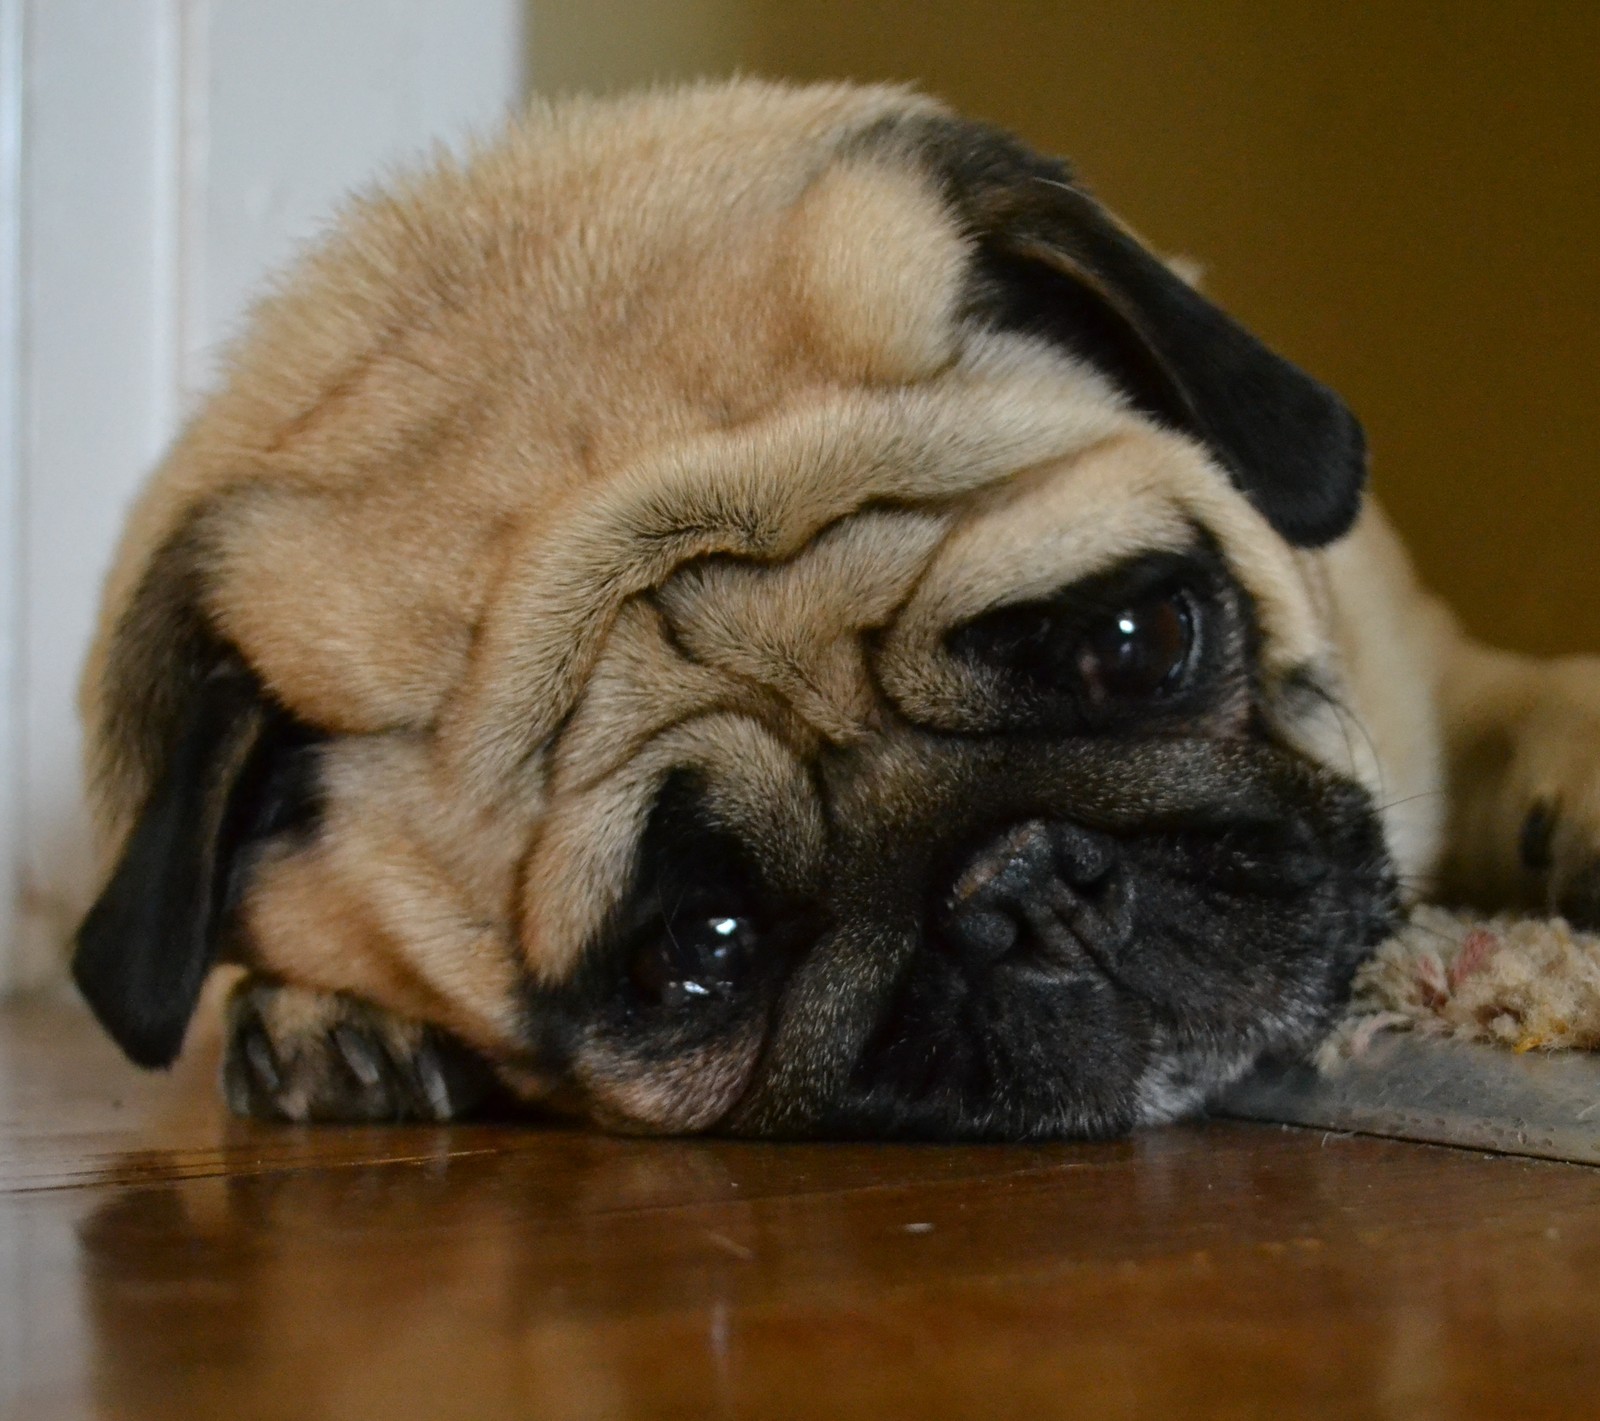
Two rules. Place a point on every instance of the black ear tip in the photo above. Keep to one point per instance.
(140, 1016)
(1348, 455)
(1310, 478)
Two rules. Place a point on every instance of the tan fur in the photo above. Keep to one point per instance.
(468, 495)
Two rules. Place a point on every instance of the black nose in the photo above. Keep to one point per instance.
(1049, 887)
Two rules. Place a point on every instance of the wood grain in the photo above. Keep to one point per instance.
(158, 1261)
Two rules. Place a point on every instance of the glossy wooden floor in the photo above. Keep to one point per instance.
(158, 1261)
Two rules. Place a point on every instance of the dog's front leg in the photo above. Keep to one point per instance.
(294, 1054)
(1522, 745)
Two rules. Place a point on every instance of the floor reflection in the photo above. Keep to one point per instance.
(570, 1275)
(452, 1287)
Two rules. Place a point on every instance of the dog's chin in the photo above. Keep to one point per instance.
(1074, 1060)
(1026, 1056)
(1077, 1058)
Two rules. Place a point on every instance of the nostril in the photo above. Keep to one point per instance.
(1084, 859)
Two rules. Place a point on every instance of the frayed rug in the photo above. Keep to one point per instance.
(1531, 984)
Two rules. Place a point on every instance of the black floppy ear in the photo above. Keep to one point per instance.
(233, 774)
(1052, 261)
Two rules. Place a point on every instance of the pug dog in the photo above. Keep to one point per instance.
(768, 610)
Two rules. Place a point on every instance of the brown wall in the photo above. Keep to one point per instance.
(1402, 197)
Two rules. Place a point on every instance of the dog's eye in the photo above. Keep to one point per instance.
(1104, 648)
(1139, 652)
(692, 960)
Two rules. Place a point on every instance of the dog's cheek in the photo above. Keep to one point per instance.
(671, 1091)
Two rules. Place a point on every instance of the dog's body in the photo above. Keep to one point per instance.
(765, 609)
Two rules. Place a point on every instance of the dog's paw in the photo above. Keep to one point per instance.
(1559, 850)
(293, 1054)
(1551, 799)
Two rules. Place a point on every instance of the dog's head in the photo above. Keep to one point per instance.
(758, 609)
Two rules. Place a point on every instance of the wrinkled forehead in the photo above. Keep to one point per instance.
(1035, 464)
(624, 343)
(744, 667)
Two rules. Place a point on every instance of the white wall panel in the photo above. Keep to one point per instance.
(166, 154)
(11, 70)
(307, 100)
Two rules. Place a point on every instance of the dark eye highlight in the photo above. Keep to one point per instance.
(1139, 652)
(693, 959)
